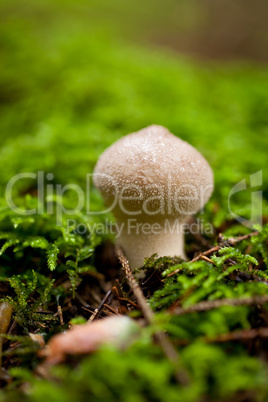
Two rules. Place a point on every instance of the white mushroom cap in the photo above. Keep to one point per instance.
(154, 178)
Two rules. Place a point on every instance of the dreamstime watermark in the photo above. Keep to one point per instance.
(134, 202)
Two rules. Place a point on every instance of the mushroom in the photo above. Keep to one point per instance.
(152, 180)
(117, 330)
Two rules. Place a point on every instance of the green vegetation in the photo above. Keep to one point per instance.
(67, 92)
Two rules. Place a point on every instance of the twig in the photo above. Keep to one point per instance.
(111, 309)
(148, 279)
(100, 306)
(128, 301)
(119, 294)
(206, 253)
(146, 310)
(169, 350)
(90, 309)
(41, 325)
(60, 315)
(245, 334)
(242, 335)
(203, 257)
(232, 241)
(209, 305)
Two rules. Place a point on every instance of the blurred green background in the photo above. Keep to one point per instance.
(76, 76)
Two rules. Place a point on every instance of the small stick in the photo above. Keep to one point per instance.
(60, 315)
(233, 240)
(205, 253)
(90, 309)
(146, 310)
(245, 334)
(41, 325)
(209, 305)
(169, 350)
(203, 257)
(119, 294)
(241, 335)
(100, 306)
(128, 301)
(229, 242)
(148, 279)
(111, 309)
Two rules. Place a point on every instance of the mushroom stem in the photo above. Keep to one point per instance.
(138, 244)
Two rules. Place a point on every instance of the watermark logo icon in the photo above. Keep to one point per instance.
(51, 197)
(256, 180)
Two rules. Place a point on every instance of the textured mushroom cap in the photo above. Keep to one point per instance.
(153, 173)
